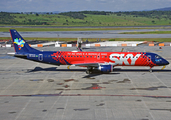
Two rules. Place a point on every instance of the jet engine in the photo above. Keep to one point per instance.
(101, 68)
(105, 68)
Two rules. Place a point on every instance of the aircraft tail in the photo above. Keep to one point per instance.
(20, 45)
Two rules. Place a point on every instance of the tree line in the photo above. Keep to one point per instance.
(6, 18)
(81, 14)
(148, 14)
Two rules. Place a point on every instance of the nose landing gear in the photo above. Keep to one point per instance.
(151, 69)
(163, 67)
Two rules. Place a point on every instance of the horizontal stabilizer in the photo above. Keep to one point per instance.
(11, 54)
(17, 55)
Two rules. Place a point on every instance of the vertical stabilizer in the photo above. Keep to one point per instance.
(20, 45)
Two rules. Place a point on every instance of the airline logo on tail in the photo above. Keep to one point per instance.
(19, 42)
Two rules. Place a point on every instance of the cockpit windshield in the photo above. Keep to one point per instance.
(157, 56)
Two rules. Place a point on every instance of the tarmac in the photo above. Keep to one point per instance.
(36, 91)
(93, 34)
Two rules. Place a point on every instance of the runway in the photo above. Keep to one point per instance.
(35, 91)
(93, 34)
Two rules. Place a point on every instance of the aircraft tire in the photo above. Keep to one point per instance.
(88, 71)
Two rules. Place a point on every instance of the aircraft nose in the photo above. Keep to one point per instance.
(166, 62)
(162, 62)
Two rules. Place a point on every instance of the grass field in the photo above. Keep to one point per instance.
(90, 20)
(63, 29)
(151, 32)
(6, 29)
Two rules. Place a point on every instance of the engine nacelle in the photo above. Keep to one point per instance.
(105, 68)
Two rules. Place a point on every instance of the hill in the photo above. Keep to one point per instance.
(164, 9)
(88, 18)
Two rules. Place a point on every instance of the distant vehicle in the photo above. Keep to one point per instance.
(101, 61)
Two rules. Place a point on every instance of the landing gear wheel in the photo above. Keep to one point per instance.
(88, 71)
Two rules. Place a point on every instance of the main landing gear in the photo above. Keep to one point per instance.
(89, 70)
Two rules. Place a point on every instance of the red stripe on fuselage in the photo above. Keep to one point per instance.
(114, 58)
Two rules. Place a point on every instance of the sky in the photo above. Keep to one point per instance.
(81, 5)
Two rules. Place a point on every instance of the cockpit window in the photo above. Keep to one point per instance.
(157, 56)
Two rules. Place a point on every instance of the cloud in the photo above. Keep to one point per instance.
(78, 5)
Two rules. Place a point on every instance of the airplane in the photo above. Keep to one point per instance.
(101, 61)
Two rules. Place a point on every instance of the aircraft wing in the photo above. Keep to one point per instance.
(88, 64)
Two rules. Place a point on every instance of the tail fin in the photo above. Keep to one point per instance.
(20, 45)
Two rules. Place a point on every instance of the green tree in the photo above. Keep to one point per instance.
(153, 21)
